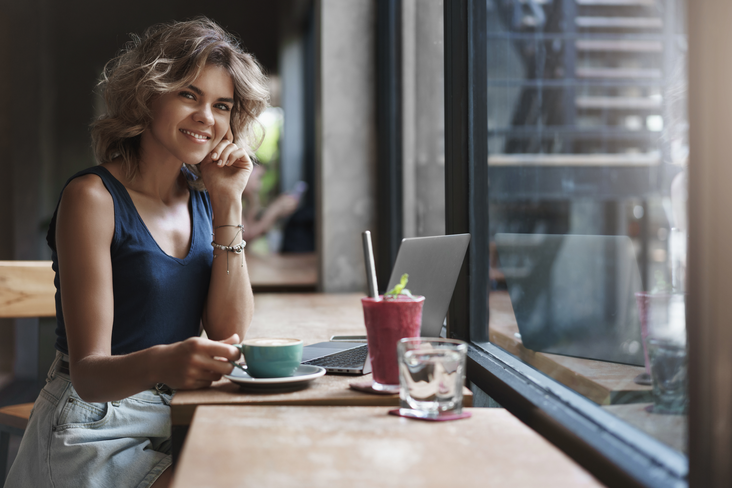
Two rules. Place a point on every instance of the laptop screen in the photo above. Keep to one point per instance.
(433, 265)
(574, 294)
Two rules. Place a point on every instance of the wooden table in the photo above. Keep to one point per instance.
(602, 382)
(283, 272)
(312, 317)
(365, 447)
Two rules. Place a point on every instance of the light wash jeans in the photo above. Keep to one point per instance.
(73, 443)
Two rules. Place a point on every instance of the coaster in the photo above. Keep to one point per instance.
(367, 387)
(414, 414)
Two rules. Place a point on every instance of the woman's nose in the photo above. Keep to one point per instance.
(204, 115)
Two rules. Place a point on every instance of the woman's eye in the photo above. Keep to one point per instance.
(223, 106)
(188, 95)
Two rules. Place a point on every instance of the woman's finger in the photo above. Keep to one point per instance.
(226, 154)
(240, 159)
(220, 147)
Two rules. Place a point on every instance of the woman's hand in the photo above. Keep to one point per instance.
(197, 362)
(226, 169)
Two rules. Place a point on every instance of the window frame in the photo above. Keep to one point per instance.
(612, 450)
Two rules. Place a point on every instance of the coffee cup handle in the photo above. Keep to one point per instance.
(235, 364)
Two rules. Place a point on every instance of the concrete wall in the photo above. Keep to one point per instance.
(346, 140)
(423, 125)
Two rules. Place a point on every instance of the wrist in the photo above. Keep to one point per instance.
(224, 201)
(226, 214)
(158, 362)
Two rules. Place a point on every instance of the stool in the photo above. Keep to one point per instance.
(13, 421)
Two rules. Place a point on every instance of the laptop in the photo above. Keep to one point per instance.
(574, 295)
(433, 264)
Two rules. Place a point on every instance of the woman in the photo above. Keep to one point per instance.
(137, 270)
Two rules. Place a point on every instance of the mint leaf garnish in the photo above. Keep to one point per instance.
(399, 289)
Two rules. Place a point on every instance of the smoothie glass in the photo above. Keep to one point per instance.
(387, 321)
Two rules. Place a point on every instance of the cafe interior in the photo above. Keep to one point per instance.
(580, 143)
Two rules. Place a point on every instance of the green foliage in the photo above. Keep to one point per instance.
(399, 289)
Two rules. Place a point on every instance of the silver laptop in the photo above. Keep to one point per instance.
(574, 294)
(433, 265)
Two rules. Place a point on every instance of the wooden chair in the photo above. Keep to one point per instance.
(26, 290)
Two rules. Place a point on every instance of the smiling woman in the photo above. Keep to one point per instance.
(164, 62)
(136, 274)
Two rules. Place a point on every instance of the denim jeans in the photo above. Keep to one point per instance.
(73, 443)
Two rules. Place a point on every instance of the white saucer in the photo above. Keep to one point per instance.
(303, 374)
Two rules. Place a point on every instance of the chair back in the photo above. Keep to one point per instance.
(26, 289)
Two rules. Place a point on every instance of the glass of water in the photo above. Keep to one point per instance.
(667, 352)
(431, 376)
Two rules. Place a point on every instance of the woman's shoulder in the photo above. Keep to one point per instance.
(87, 187)
(87, 194)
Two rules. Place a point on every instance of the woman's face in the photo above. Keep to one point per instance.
(188, 123)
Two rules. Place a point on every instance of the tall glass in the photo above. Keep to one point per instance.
(667, 352)
(387, 321)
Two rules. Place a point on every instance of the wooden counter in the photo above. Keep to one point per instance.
(283, 272)
(602, 382)
(364, 447)
(312, 317)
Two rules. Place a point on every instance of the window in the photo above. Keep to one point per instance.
(578, 108)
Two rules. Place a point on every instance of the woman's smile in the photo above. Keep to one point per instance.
(197, 136)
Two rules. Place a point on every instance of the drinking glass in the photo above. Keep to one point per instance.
(667, 352)
(431, 375)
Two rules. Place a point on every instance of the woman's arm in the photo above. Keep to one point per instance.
(84, 229)
(230, 303)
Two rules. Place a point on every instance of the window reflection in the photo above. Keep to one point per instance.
(587, 145)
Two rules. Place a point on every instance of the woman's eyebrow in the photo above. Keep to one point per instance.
(199, 92)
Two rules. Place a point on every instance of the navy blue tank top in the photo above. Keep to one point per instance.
(158, 299)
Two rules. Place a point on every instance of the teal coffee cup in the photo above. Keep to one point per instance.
(271, 357)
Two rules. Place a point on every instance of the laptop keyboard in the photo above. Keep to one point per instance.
(351, 358)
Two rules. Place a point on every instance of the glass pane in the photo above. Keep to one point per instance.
(587, 206)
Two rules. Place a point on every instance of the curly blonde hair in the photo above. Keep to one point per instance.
(166, 58)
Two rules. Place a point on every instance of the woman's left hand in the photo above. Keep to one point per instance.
(226, 169)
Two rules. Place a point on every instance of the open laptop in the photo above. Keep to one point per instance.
(433, 265)
(574, 294)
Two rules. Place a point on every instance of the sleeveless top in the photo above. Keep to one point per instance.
(158, 299)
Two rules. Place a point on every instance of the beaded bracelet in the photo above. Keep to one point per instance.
(235, 249)
(238, 249)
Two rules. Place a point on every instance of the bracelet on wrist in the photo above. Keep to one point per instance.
(237, 249)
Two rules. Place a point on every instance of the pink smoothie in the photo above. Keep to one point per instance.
(387, 321)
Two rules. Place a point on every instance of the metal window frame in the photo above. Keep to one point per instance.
(613, 451)
(389, 201)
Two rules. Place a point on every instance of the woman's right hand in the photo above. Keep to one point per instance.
(197, 362)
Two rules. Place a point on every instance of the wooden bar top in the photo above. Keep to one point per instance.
(283, 272)
(602, 382)
(364, 447)
(312, 317)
